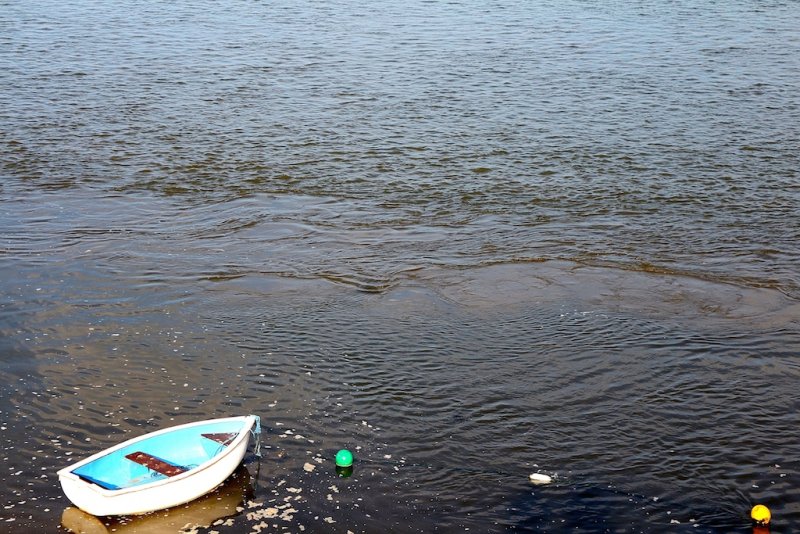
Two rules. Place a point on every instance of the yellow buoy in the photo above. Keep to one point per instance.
(760, 514)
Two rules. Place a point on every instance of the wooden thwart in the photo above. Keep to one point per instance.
(224, 438)
(156, 464)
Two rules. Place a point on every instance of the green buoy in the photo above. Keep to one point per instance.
(344, 458)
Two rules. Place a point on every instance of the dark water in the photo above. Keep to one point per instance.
(467, 240)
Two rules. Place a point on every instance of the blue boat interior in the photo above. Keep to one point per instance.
(160, 457)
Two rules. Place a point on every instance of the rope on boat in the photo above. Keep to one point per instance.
(256, 432)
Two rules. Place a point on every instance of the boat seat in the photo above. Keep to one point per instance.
(156, 464)
(225, 438)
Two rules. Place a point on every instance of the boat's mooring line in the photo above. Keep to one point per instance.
(257, 436)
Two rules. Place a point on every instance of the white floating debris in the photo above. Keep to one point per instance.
(540, 478)
(267, 513)
(309, 467)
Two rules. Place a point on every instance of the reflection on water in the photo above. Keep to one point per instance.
(225, 501)
(387, 137)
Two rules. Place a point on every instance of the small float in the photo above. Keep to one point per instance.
(161, 469)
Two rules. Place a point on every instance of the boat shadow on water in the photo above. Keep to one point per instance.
(226, 501)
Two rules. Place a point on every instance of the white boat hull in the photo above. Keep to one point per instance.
(159, 494)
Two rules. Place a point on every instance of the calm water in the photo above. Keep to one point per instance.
(467, 240)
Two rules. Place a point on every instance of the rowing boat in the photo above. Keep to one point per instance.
(161, 469)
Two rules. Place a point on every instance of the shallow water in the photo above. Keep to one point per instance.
(468, 241)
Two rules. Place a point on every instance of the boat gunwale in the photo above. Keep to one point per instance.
(248, 421)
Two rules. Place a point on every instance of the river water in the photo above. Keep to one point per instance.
(469, 241)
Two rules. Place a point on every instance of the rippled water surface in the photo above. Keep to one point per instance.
(467, 240)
